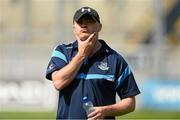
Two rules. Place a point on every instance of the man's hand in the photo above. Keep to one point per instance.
(122, 107)
(98, 113)
(85, 48)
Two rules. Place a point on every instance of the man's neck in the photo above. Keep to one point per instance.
(96, 48)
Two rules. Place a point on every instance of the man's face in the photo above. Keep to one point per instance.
(85, 26)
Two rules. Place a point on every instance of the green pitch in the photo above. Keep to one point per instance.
(144, 114)
(27, 115)
(148, 114)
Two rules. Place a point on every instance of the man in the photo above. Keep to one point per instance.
(89, 67)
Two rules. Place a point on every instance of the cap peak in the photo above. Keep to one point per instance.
(86, 10)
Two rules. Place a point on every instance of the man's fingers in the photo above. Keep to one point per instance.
(91, 36)
(92, 114)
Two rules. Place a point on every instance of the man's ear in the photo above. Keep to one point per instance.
(99, 27)
(73, 26)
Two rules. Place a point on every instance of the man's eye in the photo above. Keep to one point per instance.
(90, 21)
(85, 20)
(80, 21)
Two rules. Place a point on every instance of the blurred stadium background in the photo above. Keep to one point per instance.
(146, 32)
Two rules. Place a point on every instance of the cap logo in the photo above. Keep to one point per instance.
(84, 9)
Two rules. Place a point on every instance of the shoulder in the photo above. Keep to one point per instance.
(63, 47)
(117, 56)
(113, 52)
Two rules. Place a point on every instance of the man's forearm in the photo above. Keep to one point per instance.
(65, 75)
(123, 107)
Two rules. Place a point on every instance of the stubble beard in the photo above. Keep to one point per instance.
(85, 36)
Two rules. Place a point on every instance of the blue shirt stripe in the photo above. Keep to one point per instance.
(95, 76)
(59, 55)
(123, 76)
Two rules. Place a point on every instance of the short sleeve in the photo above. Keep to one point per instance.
(57, 61)
(125, 84)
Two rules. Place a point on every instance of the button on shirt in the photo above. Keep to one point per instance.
(99, 78)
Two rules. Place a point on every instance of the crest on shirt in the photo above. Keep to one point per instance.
(103, 66)
(51, 66)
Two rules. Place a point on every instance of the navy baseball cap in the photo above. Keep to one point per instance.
(86, 10)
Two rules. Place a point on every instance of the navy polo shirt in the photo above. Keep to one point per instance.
(99, 78)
